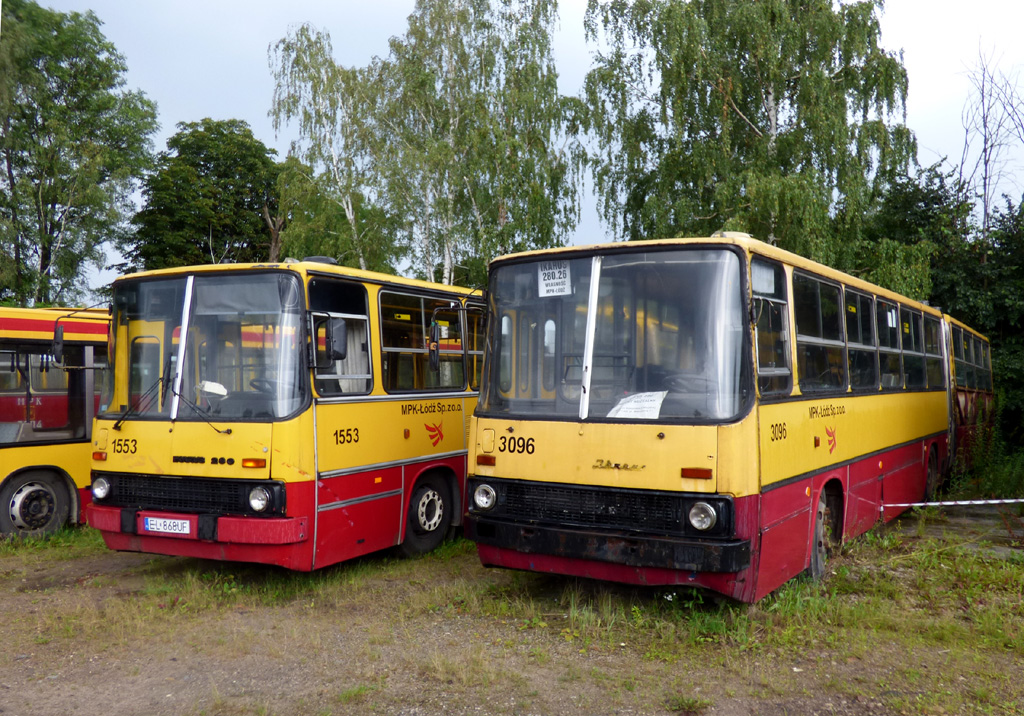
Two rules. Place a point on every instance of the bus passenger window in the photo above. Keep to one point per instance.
(821, 365)
(933, 352)
(860, 336)
(913, 348)
(405, 329)
(889, 361)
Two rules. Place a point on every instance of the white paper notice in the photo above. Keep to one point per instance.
(639, 406)
(553, 279)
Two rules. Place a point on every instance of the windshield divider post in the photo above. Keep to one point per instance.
(186, 311)
(588, 346)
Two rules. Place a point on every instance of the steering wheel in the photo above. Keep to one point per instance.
(263, 385)
(683, 383)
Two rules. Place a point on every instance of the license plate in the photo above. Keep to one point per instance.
(161, 524)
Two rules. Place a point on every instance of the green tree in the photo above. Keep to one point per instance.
(774, 117)
(459, 135)
(212, 199)
(73, 141)
(318, 225)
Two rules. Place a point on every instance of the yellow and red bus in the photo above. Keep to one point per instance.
(972, 399)
(709, 412)
(47, 405)
(284, 414)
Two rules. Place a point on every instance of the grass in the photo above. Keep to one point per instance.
(900, 610)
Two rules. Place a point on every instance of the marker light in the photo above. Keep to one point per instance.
(100, 488)
(484, 497)
(259, 499)
(702, 516)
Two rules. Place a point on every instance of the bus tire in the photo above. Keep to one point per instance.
(821, 546)
(429, 517)
(33, 503)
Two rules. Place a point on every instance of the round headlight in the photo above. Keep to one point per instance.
(100, 488)
(702, 516)
(259, 499)
(484, 497)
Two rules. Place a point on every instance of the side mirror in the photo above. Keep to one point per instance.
(57, 348)
(337, 339)
(434, 349)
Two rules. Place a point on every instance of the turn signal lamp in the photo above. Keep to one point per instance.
(99, 456)
(488, 460)
(254, 462)
(697, 473)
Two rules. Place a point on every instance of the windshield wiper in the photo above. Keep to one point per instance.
(199, 411)
(142, 400)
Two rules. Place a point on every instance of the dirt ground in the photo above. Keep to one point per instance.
(87, 636)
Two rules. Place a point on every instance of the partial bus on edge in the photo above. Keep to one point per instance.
(46, 410)
(708, 412)
(284, 414)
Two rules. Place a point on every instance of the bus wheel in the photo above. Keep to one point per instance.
(931, 486)
(823, 538)
(430, 516)
(33, 503)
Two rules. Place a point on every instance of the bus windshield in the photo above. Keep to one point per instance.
(242, 357)
(661, 337)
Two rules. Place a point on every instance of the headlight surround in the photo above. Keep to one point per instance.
(100, 488)
(259, 499)
(484, 497)
(703, 516)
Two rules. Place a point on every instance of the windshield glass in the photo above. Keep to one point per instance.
(667, 338)
(242, 358)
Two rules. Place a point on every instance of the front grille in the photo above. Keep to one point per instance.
(188, 494)
(641, 511)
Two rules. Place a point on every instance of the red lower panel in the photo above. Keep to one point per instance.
(737, 585)
(281, 541)
(358, 514)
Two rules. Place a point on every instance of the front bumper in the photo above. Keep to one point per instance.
(630, 549)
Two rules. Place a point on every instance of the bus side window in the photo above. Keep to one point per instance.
(860, 336)
(821, 359)
(889, 345)
(933, 353)
(768, 283)
(475, 343)
(913, 348)
(405, 324)
(341, 302)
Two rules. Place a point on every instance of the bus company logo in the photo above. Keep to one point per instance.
(434, 433)
(831, 440)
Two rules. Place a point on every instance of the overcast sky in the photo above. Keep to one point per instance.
(208, 58)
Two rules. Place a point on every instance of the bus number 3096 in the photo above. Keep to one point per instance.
(778, 431)
(509, 444)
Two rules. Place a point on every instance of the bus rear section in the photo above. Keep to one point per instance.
(261, 414)
(715, 413)
(47, 404)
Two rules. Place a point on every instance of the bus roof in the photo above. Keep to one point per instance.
(305, 268)
(727, 238)
(86, 325)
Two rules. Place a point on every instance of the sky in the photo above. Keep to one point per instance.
(208, 58)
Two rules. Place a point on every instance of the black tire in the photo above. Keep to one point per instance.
(429, 517)
(821, 545)
(33, 503)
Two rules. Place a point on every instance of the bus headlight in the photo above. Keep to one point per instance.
(100, 488)
(703, 516)
(259, 499)
(484, 497)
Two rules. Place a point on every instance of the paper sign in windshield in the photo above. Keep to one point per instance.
(639, 406)
(553, 279)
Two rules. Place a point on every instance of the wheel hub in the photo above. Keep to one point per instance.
(32, 506)
(429, 511)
